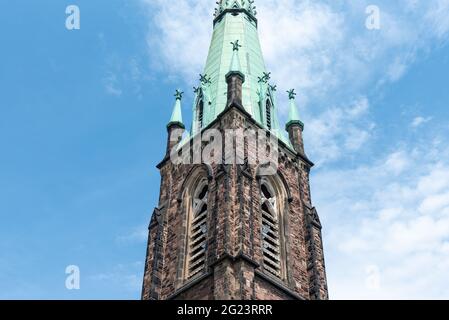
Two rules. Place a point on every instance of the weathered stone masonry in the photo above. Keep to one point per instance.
(234, 245)
(235, 256)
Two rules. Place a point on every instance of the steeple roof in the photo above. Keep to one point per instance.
(176, 118)
(293, 114)
(234, 22)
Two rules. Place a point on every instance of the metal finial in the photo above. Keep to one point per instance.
(204, 79)
(236, 45)
(178, 94)
(291, 94)
(267, 76)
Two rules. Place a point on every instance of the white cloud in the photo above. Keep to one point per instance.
(435, 203)
(418, 121)
(396, 162)
(338, 130)
(438, 17)
(436, 181)
(305, 57)
(399, 225)
(396, 70)
(182, 36)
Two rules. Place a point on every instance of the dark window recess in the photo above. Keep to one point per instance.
(268, 113)
(198, 234)
(270, 233)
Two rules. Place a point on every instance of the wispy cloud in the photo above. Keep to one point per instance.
(136, 235)
(400, 225)
(111, 85)
(126, 276)
(438, 18)
(182, 36)
(339, 130)
(122, 74)
(419, 121)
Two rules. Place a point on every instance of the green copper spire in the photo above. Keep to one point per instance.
(176, 118)
(293, 115)
(235, 23)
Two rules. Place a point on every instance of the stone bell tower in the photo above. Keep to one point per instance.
(225, 229)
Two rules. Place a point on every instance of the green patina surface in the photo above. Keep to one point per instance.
(235, 46)
(234, 22)
(293, 114)
(176, 117)
(235, 60)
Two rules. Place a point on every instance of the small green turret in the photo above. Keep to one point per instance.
(294, 126)
(176, 118)
(293, 114)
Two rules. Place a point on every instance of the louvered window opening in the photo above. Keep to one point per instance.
(198, 234)
(268, 111)
(270, 233)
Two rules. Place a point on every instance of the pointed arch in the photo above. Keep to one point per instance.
(282, 179)
(197, 170)
(194, 195)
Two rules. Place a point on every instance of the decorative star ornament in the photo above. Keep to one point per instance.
(291, 94)
(236, 45)
(178, 94)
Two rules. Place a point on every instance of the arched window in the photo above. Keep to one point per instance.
(200, 114)
(271, 230)
(268, 114)
(197, 233)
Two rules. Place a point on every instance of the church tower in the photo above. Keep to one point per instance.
(226, 227)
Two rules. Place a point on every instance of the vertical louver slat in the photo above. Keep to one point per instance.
(198, 233)
(268, 111)
(270, 233)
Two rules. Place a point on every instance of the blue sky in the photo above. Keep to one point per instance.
(82, 127)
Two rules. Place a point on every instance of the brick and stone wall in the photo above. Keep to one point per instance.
(234, 251)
